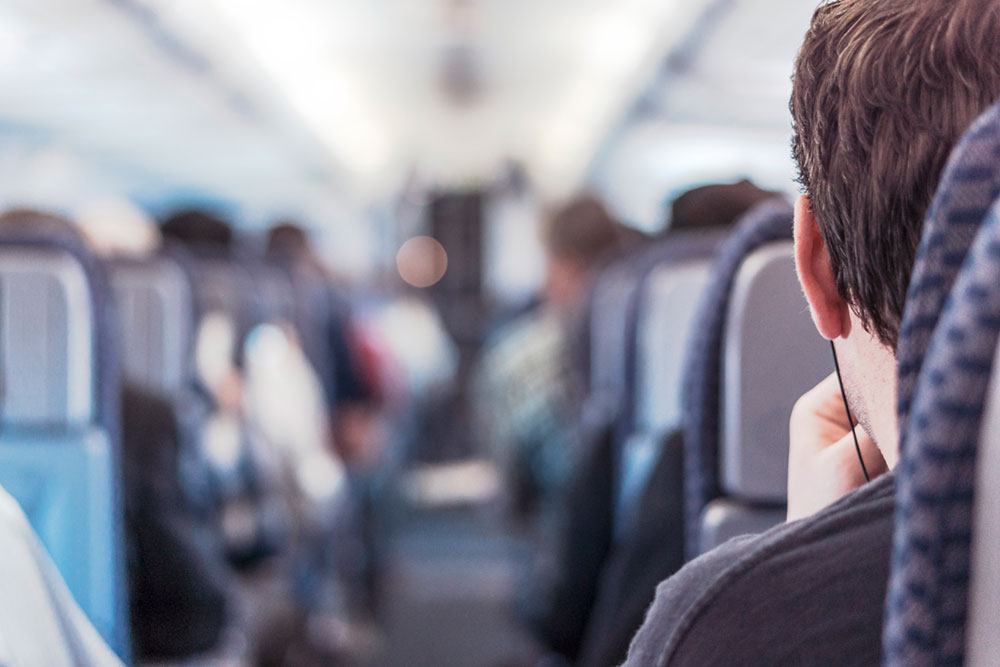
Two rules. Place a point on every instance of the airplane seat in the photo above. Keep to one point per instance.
(947, 344)
(246, 474)
(561, 596)
(608, 320)
(705, 370)
(59, 446)
(273, 295)
(646, 487)
(177, 572)
(223, 286)
(157, 314)
(658, 324)
(772, 354)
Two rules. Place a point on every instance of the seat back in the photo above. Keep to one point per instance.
(47, 330)
(772, 354)
(608, 325)
(274, 294)
(156, 312)
(657, 337)
(703, 372)
(919, 629)
(223, 285)
(667, 311)
(58, 453)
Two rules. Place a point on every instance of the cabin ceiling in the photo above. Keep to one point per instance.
(323, 106)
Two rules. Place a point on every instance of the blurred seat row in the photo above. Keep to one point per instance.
(165, 431)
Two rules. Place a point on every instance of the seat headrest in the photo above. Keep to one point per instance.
(612, 294)
(274, 294)
(667, 312)
(157, 313)
(772, 354)
(223, 286)
(46, 339)
(691, 245)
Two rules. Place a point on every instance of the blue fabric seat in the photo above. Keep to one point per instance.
(60, 443)
(945, 355)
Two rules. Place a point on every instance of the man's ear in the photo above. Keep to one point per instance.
(812, 263)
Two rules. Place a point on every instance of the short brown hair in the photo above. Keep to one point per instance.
(581, 230)
(715, 205)
(882, 91)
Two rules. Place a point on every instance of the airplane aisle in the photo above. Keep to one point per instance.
(452, 581)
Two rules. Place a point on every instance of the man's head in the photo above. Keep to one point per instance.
(882, 91)
(576, 237)
(287, 242)
(715, 205)
(199, 231)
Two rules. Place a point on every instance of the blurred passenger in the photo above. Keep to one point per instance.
(575, 239)
(253, 499)
(200, 231)
(715, 205)
(339, 354)
(902, 80)
(357, 430)
(527, 387)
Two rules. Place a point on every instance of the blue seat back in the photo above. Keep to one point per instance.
(927, 615)
(944, 356)
(60, 423)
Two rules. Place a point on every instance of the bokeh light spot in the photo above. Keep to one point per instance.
(422, 261)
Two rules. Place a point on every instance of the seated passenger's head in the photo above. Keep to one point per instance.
(882, 91)
(200, 231)
(716, 205)
(35, 222)
(576, 237)
(287, 242)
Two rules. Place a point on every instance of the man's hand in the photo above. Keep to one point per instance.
(822, 462)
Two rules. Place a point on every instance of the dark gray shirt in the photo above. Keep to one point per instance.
(809, 592)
